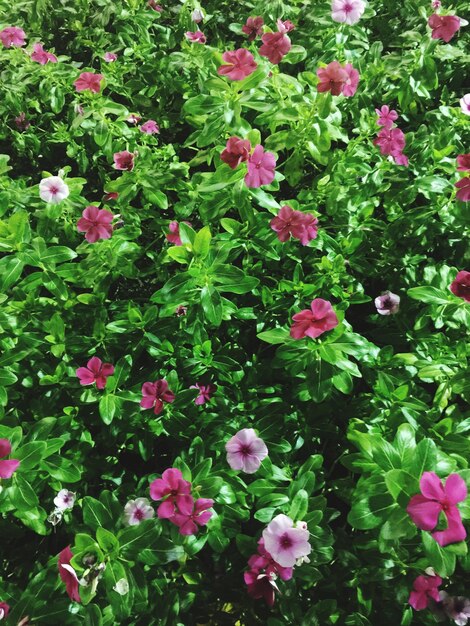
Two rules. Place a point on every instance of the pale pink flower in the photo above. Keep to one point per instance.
(196, 37)
(39, 55)
(284, 27)
(261, 168)
(388, 303)
(245, 451)
(332, 78)
(64, 500)
(96, 224)
(197, 16)
(12, 36)
(7, 468)
(137, 510)
(347, 11)
(89, 81)
(285, 542)
(124, 160)
(53, 189)
(352, 81)
(436, 4)
(465, 104)
(150, 127)
(110, 57)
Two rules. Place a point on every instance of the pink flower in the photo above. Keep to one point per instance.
(424, 588)
(150, 128)
(463, 186)
(332, 78)
(261, 168)
(457, 608)
(197, 37)
(4, 610)
(275, 46)
(205, 392)
(264, 561)
(95, 372)
(96, 224)
(21, 122)
(350, 86)
(137, 510)
(424, 508)
(124, 160)
(155, 395)
(315, 321)
(391, 141)
(465, 104)
(12, 36)
(153, 5)
(41, 56)
(133, 118)
(463, 162)
(188, 523)
(347, 11)
(261, 586)
(174, 235)
(245, 451)
(64, 500)
(436, 4)
(236, 151)
(53, 189)
(386, 116)
(89, 81)
(460, 286)
(443, 26)
(110, 57)
(253, 27)
(284, 542)
(177, 492)
(239, 64)
(68, 575)
(284, 27)
(288, 222)
(388, 303)
(7, 468)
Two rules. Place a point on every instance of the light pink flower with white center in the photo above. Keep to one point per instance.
(284, 542)
(53, 189)
(138, 510)
(465, 104)
(110, 57)
(245, 451)
(347, 11)
(150, 127)
(64, 500)
(388, 303)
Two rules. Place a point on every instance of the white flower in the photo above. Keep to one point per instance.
(137, 510)
(197, 16)
(64, 500)
(121, 587)
(465, 104)
(53, 189)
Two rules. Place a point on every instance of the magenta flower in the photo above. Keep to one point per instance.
(7, 468)
(188, 523)
(463, 186)
(463, 162)
(96, 224)
(391, 142)
(89, 81)
(124, 160)
(205, 392)
(110, 57)
(150, 128)
(275, 46)
(95, 372)
(22, 123)
(352, 81)
(236, 151)
(177, 492)
(110, 195)
(196, 37)
(285, 542)
(174, 235)
(155, 395)
(424, 508)
(386, 116)
(245, 451)
(289, 222)
(12, 36)
(315, 321)
(4, 610)
(239, 64)
(261, 168)
(264, 561)
(424, 588)
(388, 303)
(261, 586)
(460, 286)
(332, 78)
(137, 510)
(347, 11)
(284, 27)
(41, 56)
(253, 27)
(68, 574)
(443, 26)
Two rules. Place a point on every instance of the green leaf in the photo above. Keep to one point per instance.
(107, 408)
(57, 254)
(299, 505)
(62, 469)
(30, 454)
(202, 242)
(430, 295)
(211, 304)
(10, 271)
(7, 378)
(95, 514)
(274, 336)
(21, 494)
(233, 279)
(106, 540)
(442, 560)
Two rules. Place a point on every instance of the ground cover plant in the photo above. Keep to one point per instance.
(234, 312)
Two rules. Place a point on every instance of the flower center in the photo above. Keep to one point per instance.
(139, 514)
(285, 541)
(347, 8)
(53, 189)
(245, 449)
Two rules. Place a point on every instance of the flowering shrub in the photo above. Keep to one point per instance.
(234, 313)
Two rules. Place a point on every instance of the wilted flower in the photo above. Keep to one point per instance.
(4, 610)
(347, 11)
(261, 168)
(138, 510)
(253, 27)
(284, 542)
(155, 395)
(89, 81)
(7, 468)
(239, 64)
(460, 286)
(177, 492)
(153, 5)
(181, 310)
(188, 523)
(245, 451)
(261, 586)
(133, 118)
(21, 122)
(443, 26)
(456, 608)
(388, 303)
(463, 162)
(315, 321)
(275, 46)
(463, 186)
(53, 189)
(68, 574)
(465, 104)
(64, 500)
(284, 27)
(205, 392)
(425, 508)
(197, 16)
(424, 588)
(196, 37)
(150, 127)
(95, 372)
(41, 56)
(121, 587)
(124, 160)
(288, 222)
(110, 195)
(236, 151)
(96, 224)
(110, 57)
(12, 36)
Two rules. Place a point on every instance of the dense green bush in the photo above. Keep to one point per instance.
(188, 283)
